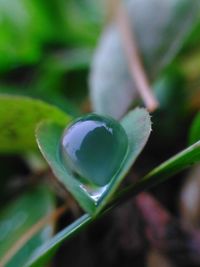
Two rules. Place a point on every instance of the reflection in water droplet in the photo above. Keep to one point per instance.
(95, 194)
(94, 147)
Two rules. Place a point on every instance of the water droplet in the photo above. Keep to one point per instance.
(94, 147)
(94, 193)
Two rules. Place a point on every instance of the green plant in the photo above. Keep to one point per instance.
(37, 116)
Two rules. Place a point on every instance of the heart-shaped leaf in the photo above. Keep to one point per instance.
(137, 126)
(18, 119)
(16, 220)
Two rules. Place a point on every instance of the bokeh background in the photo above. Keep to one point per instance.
(69, 53)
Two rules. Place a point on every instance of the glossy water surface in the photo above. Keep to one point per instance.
(94, 147)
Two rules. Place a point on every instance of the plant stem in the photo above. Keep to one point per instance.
(135, 65)
(174, 165)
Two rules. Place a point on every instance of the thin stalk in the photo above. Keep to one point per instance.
(174, 165)
(132, 54)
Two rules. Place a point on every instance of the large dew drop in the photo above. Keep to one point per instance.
(94, 147)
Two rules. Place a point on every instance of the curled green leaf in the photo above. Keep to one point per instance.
(137, 127)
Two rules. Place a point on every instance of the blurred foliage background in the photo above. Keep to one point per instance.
(45, 46)
(69, 54)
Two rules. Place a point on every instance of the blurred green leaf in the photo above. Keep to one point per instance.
(50, 95)
(81, 20)
(48, 138)
(18, 119)
(24, 25)
(52, 81)
(195, 130)
(17, 218)
(52, 84)
(111, 86)
(193, 40)
(35, 24)
(68, 60)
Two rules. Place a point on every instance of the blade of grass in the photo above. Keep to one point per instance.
(176, 164)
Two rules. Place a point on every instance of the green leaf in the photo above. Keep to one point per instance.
(137, 126)
(23, 32)
(195, 130)
(19, 217)
(81, 22)
(18, 119)
(68, 60)
(157, 41)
